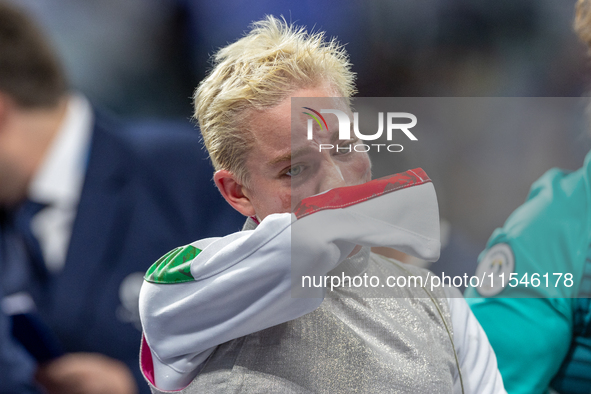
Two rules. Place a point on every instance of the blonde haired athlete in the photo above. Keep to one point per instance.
(234, 314)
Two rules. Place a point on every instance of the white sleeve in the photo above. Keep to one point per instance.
(242, 283)
(478, 363)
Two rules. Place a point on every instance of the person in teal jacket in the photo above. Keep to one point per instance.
(539, 322)
(544, 340)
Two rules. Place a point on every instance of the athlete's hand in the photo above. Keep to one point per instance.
(86, 373)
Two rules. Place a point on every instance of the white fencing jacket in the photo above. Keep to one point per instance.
(215, 290)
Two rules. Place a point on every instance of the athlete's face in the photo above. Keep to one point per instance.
(284, 166)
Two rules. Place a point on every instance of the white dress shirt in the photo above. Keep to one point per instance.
(58, 182)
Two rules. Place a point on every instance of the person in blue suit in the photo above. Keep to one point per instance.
(86, 201)
(17, 366)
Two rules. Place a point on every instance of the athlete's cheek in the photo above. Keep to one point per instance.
(358, 171)
(286, 204)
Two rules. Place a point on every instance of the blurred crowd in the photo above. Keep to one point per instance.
(145, 57)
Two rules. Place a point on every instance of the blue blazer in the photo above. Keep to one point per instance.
(148, 189)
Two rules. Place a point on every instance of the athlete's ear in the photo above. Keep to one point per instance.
(233, 192)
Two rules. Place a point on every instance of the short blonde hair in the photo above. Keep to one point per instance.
(257, 72)
(582, 22)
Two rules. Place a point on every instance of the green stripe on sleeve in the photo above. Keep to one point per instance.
(174, 266)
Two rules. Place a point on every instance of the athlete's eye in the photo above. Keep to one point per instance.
(345, 147)
(295, 170)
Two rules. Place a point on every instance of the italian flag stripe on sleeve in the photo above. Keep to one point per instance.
(174, 266)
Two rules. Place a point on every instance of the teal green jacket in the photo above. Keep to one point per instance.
(541, 331)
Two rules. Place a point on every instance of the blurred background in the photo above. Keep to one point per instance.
(143, 58)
